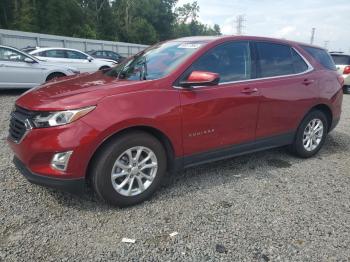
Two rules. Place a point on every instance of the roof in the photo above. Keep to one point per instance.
(54, 48)
(243, 37)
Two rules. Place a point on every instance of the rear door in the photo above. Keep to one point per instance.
(218, 116)
(287, 87)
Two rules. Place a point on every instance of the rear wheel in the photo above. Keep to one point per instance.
(104, 67)
(129, 169)
(54, 75)
(311, 134)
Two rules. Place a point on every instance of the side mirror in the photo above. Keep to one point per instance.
(29, 60)
(90, 59)
(201, 78)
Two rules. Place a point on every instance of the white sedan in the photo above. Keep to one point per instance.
(20, 70)
(76, 58)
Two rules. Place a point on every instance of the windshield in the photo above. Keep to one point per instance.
(155, 62)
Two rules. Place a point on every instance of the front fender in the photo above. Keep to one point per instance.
(157, 109)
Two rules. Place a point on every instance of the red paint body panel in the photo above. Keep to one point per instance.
(226, 115)
(194, 120)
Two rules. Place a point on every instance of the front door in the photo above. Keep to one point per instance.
(218, 116)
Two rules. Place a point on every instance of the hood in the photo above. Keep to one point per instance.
(76, 91)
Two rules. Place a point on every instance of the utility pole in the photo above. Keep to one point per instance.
(312, 35)
(326, 44)
(239, 24)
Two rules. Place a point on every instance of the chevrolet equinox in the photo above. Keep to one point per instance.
(174, 105)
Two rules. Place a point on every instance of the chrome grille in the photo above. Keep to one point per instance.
(20, 124)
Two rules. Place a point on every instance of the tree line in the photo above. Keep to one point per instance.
(135, 21)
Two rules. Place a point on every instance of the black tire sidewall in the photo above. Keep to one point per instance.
(54, 75)
(298, 146)
(101, 173)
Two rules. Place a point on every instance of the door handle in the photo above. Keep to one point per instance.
(308, 81)
(249, 90)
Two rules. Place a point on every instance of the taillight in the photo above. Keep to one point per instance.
(346, 70)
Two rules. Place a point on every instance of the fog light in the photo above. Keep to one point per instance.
(60, 160)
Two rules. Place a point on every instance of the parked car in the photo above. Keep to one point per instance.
(76, 58)
(29, 49)
(20, 70)
(177, 104)
(342, 62)
(104, 54)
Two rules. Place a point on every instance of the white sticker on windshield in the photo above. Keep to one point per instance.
(186, 45)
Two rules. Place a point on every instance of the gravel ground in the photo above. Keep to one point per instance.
(266, 206)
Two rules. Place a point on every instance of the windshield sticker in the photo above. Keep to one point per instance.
(190, 46)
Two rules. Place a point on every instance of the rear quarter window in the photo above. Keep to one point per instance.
(321, 56)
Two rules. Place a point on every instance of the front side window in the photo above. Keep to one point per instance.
(75, 55)
(156, 61)
(274, 59)
(230, 60)
(11, 55)
(55, 53)
(42, 54)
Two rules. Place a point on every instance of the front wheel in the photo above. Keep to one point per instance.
(311, 134)
(129, 169)
(54, 76)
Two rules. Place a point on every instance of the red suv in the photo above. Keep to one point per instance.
(177, 104)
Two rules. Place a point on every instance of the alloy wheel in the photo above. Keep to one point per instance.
(313, 134)
(134, 171)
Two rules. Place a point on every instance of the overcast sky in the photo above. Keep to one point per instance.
(292, 19)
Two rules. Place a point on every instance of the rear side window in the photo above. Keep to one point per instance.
(231, 61)
(274, 59)
(341, 59)
(321, 56)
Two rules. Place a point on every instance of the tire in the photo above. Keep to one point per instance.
(316, 142)
(104, 67)
(346, 89)
(105, 162)
(54, 75)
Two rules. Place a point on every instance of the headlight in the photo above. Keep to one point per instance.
(58, 118)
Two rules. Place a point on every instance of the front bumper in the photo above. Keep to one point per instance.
(38, 147)
(70, 185)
